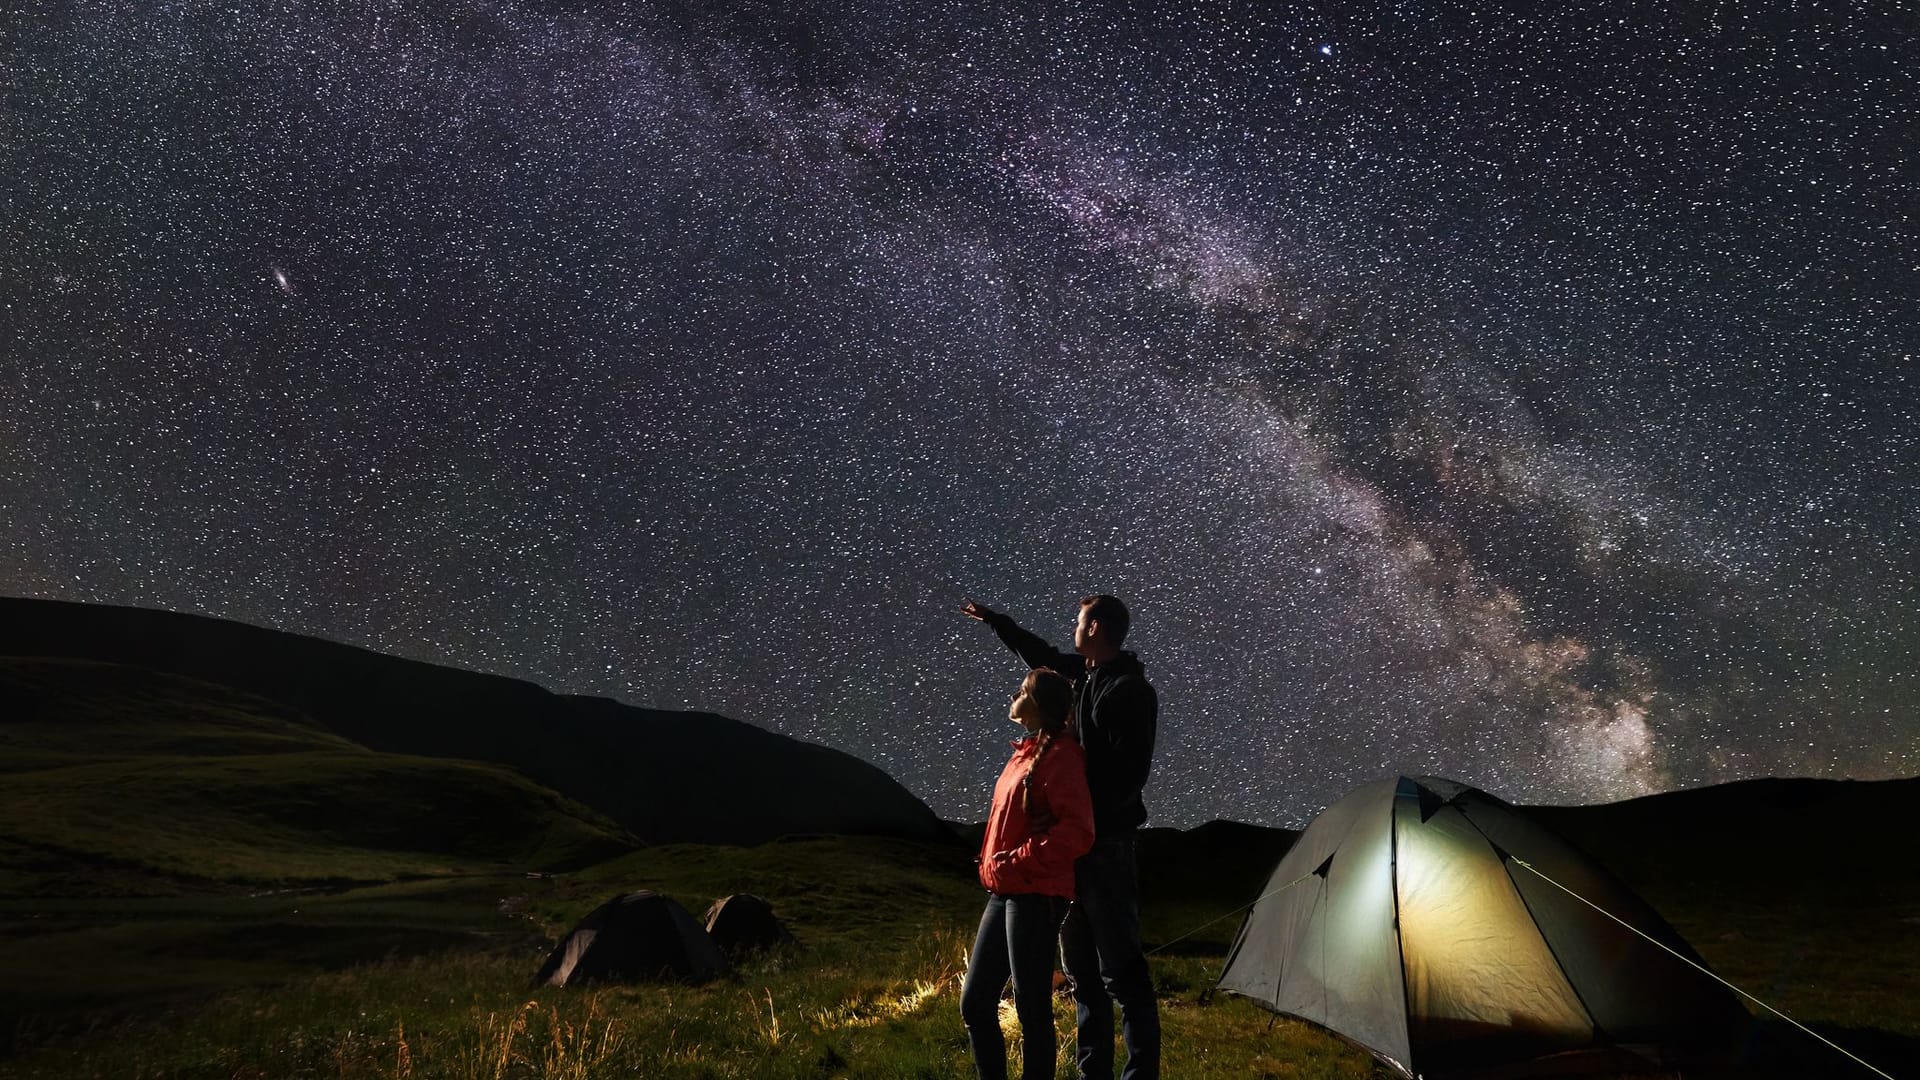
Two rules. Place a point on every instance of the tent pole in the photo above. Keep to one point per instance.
(1399, 943)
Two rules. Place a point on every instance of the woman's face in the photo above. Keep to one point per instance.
(1024, 710)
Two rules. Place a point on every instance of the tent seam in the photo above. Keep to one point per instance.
(1602, 1036)
(1399, 940)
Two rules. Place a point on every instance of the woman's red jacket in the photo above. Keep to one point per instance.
(1044, 844)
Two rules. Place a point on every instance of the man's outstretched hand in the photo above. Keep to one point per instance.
(976, 610)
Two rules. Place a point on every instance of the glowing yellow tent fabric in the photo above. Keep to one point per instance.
(1408, 930)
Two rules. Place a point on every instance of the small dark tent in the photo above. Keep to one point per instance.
(639, 937)
(744, 923)
(1416, 919)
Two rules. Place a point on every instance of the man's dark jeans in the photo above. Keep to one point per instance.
(1016, 938)
(1100, 949)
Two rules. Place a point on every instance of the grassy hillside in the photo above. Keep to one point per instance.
(291, 818)
(120, 778)
(649, 770)
(56, 712)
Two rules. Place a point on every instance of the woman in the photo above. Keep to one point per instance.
(1041, 821)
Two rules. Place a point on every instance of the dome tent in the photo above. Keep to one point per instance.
(744, 923)
(1419, 919)
(639, 937)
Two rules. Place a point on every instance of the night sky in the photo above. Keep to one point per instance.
(1529, 400)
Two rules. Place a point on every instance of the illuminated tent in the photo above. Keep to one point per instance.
(639, 937)
(1418, 920)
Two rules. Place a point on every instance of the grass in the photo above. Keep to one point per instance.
(870, 990)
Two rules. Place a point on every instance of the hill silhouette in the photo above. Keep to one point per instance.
(665, 777)
(1780, 836)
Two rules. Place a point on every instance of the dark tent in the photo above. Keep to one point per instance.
(1448, 934)
(639, 937)
(744, 923)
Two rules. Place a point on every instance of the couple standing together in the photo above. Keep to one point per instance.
(1058, 855)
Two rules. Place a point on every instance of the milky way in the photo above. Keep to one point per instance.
(1526, 400)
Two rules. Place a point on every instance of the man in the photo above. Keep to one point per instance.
(1100, 941)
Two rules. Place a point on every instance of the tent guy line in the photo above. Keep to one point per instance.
(1231, 914)
(1704, 971)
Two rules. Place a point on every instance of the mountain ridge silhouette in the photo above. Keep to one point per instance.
(667, 777)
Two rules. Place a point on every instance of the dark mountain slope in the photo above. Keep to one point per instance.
(1780, 834)
(1775, 836)
(666, 776)
(121, 780)
(1789, 840)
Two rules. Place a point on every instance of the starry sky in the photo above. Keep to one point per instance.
(1528, 399)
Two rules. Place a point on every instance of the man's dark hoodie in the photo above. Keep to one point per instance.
(1118, 714)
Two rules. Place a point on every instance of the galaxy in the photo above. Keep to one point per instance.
(1523, 398)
